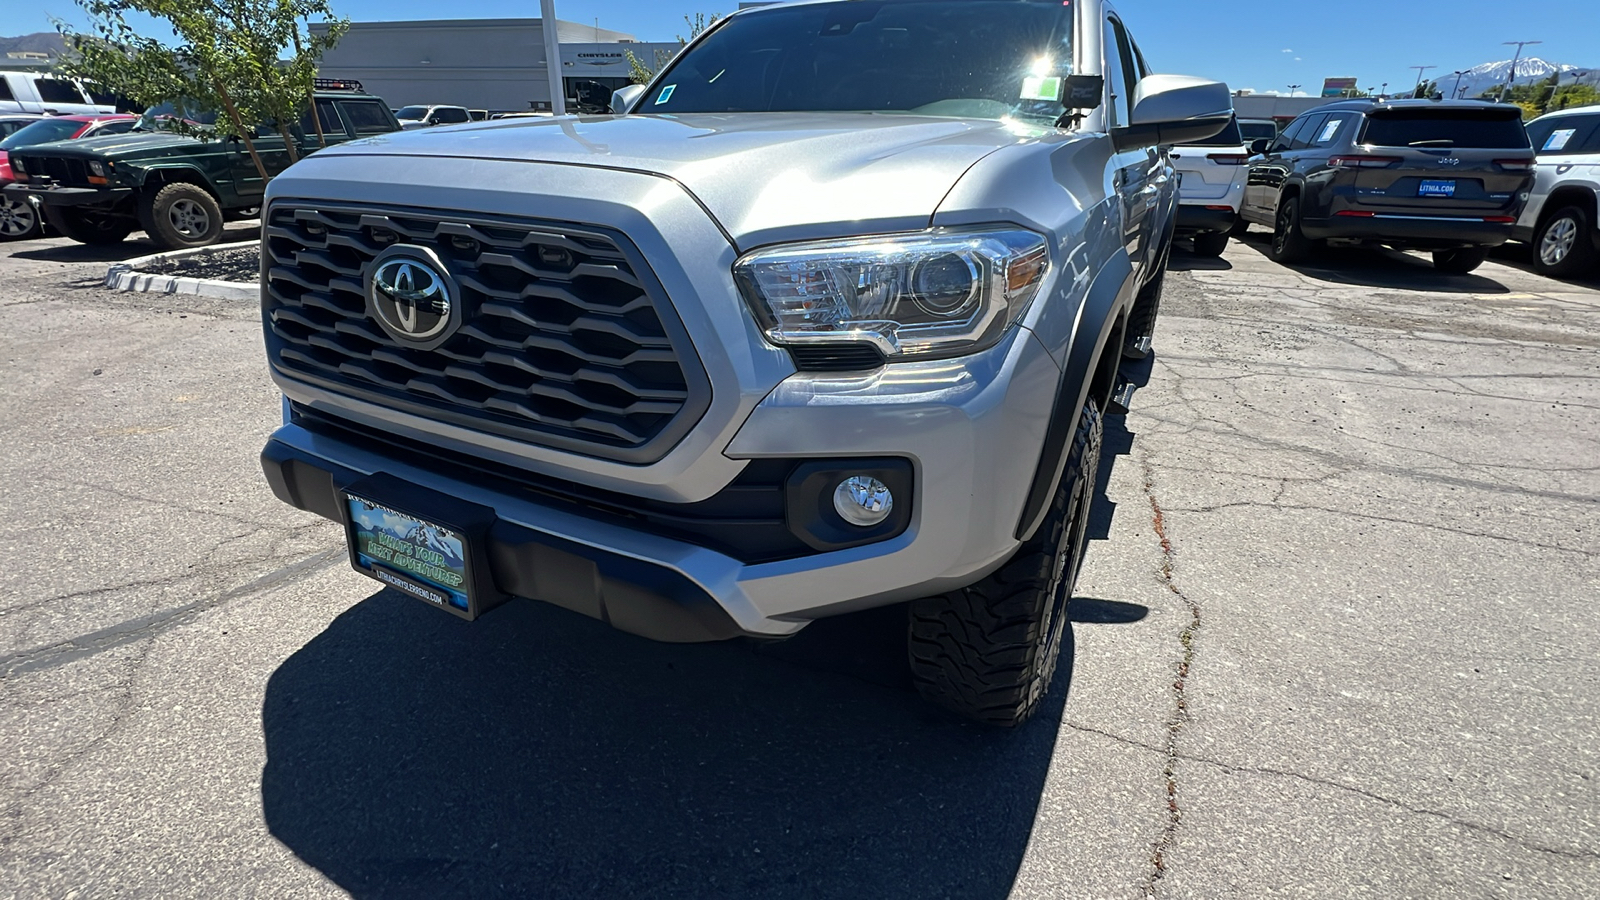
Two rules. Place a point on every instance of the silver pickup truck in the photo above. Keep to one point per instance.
(826, 317)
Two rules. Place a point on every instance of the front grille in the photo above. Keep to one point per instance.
(66, 172)
(565, 340)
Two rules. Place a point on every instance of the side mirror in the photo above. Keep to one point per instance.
(1259, 146)
(622, 98)
(434, 120)
(1175, 109)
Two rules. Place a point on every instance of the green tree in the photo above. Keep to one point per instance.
(641, 73)
(252, 61)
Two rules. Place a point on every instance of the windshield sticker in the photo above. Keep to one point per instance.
(1329, 130)
(1035, 87)
(1558, 139)
(666, 94)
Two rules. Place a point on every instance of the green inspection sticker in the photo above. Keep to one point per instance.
(1039, 87)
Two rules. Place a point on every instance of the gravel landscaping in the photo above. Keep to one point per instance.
(241, 263)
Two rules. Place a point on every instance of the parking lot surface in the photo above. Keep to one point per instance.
(1334, 639)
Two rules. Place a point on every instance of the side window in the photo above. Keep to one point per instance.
(1591, 142)
(328, 115)
(367, 117)
(5, 88)
(1116, 79)
(1331, 130)
(452, 116)
(1286, 140)
(1130, 70)
(119, 127)
(1305, 136)
(54, 90)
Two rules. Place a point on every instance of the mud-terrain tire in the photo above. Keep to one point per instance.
(99, 230)
(1459, 261)
(181, 216)
(19, 220)
(1563, 246)
(1289, 244)
(989, 651)
(1212, 243)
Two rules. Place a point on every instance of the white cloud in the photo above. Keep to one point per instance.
(1288, 51)
(1297, 59)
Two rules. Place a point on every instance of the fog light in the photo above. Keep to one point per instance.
(862, 500)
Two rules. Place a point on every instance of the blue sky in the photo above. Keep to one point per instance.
(1264, 46)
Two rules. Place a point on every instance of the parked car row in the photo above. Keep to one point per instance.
(97, 187)
(20, 217)
(1454, 178)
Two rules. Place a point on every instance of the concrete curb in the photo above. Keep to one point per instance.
(125, 276)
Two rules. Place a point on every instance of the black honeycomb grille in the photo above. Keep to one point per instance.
(563, 340)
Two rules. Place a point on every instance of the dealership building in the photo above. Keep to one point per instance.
(493, 64)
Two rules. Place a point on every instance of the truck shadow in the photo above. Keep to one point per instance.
(541, 754)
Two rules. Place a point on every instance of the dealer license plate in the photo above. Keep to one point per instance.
(1430, 188)
(414, 556)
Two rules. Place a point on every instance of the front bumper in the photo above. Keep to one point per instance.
(1193, 219)
(56, 196)
(1422, 232)
(972, 430)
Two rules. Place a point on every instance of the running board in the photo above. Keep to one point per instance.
(1121, 398)
(1137, 349)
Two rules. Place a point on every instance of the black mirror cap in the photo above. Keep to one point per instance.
(1188, 131)
(1260, 146)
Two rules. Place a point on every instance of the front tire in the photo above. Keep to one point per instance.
(96, 229)
(1211, 243)
(1289, 244)
(1459, 261)
(1563, 246)
(181, 216)
(990, 651)
(19, 220)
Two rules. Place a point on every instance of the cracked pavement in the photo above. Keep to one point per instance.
(1334, 639)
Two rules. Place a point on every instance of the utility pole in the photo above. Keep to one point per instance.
(1512, 77)
(1420, 70)
(552, 56)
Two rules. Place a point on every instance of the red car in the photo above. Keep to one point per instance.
(19, 219)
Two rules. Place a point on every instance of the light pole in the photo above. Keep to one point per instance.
(1511, 78)
(1420, 70)
(1455, 94)
(1293, 88)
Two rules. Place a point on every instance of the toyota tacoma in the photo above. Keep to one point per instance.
(826, 317)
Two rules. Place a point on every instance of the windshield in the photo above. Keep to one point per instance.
(412, 112)
(1255, 131)
(983, 59)
(173, 111)
(42, 132)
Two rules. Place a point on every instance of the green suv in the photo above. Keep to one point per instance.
(176, 187)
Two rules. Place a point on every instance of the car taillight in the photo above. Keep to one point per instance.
(1228, 159)
(1363, 162)
(1515, 165)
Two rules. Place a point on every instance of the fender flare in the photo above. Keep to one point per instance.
(199, 178)
(1104, 308)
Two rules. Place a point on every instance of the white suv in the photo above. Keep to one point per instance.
(30, 92)
(1559, 220)
(413, 117)
(1210, 188)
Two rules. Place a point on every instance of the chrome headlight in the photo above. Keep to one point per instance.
(937, 293)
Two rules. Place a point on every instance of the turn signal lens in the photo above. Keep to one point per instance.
(1515, 165)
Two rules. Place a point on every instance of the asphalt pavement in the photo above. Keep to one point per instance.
(1334, 639)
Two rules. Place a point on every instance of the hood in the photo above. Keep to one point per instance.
(131, 143)
(761, 175)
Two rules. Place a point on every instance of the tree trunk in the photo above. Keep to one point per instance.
(311, 95)
(238, 126)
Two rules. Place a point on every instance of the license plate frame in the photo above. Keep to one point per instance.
(1437, 187)
(422, 543)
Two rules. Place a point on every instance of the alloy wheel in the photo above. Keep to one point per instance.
(189, 218)
(1557, 242)
(17, 218)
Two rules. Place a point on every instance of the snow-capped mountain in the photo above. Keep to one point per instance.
(1530, 69)
(429, 537)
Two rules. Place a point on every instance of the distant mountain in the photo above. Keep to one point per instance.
(1530, 69)
(41, 42)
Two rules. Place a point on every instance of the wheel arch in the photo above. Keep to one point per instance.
(1585, 197)
(159, 177)
(1090, 370)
